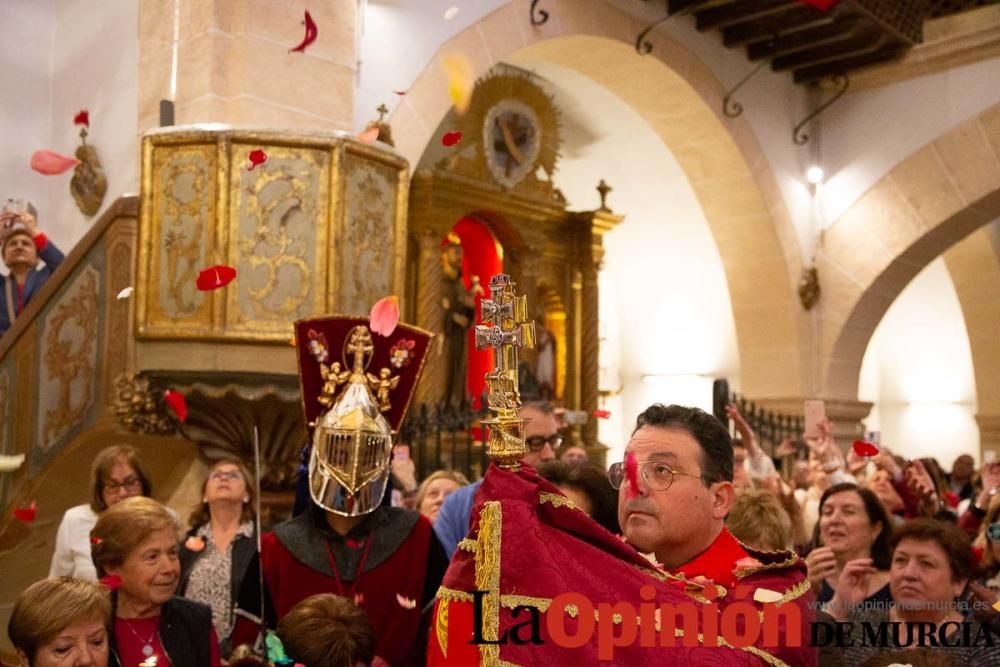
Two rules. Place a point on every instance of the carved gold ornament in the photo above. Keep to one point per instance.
(139, 408)
(89, 184)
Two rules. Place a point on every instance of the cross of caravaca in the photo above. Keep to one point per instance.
(507, 313)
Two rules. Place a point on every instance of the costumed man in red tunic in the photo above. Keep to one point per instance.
(355, 391)
(538, 582)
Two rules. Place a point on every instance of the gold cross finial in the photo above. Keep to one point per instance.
(603, 189)
(382, 111)
(507, 329)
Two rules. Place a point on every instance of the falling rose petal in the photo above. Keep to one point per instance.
(111, 581)
(766, 595)
(400, 92)
(95, 540)
(10, 463)
(26, 514)
(458, 69)
(125, 293)
(384, 316)
(369, 136)
(50, 163)
(257, 157)
(450, 13)
(602, 414)
(82, 118)
(177, 403)
(632, 473)
(359, 599)
(215, 277)
(194, 543)
(451, 138)
(867, 449)
(312, 32)
(405, 602)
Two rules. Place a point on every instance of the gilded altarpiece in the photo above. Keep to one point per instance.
(501, 176)
(318, 227)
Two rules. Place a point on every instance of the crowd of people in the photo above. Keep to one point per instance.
(890, 540)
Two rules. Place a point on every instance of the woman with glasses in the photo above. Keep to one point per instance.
(220, 547)
(116, 474)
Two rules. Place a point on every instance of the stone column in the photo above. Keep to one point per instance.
(429, 312)
(989, 435)
(233, 63)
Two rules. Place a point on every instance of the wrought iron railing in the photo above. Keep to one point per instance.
(446, 436)
(770, 427)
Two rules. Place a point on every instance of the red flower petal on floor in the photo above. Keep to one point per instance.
(82, 118)
(632, 474)
(50, 163)
(215, 277)
(602, 414)
(368, 136)
(26, 514)
(312, 32)
(384, 316)
(257, 157)
(111, 581)
(451, 138)
(862, 448)
(177, 403)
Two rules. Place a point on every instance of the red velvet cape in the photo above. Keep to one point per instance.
(528, 544)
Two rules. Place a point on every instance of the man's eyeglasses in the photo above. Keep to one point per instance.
(537, 443)
(129, 484)
(225, 475)
(993, 532)
(657, 475)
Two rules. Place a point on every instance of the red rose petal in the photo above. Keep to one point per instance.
(82, 118)
(215, 277)
(312, 32)
(451, 138)
(632, 473)
(602, 414)
(384, 316)
(400, 92)
(26, 514)
(50, 163)
(176, 401)
(862, 448)
(111, 581)
(257, 157)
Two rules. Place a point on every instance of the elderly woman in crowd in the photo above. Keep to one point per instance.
(135, 546)
(220, 547)
(432, 491)
(116, 474)
(758, 519)
(587, 486)
(61, 621)
(931, 565)
(853, 527)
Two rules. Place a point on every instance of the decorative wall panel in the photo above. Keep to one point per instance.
(70, 334)
(277, 236)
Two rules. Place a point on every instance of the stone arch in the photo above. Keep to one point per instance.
(926, 204)
(681, 99)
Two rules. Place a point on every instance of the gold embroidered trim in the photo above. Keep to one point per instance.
(511, 601)
(467, 544)
(488, 577)
(452, 595)
(441, 626)
(788, 562)
(796, 591)
(556, 500)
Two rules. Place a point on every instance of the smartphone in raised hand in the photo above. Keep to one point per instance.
(815, 412)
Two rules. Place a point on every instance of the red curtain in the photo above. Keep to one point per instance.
(479, 258)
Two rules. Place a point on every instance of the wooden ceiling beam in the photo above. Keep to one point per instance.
(861, 44)
(802, 17)
(816, 72)
(804, 39)
(740, 12)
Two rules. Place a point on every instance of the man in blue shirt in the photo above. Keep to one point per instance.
(541, 435)
(22, 247)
